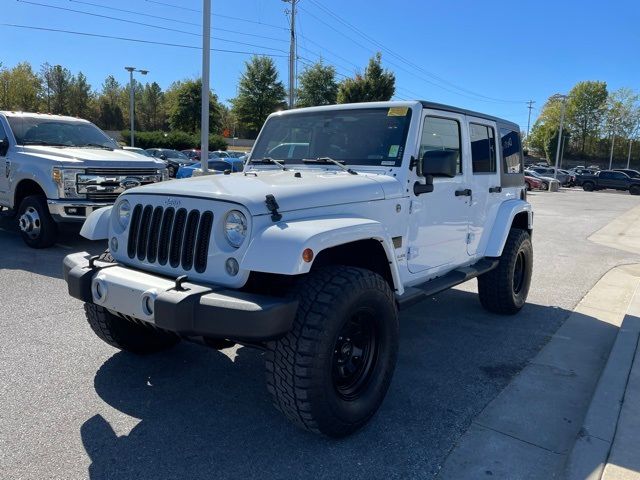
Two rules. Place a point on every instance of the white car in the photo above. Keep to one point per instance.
(310, 255)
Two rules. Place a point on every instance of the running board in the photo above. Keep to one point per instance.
(413, 295)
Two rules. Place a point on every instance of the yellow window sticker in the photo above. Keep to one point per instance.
(397, 111)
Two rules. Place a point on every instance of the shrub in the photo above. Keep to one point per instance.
(175, 139)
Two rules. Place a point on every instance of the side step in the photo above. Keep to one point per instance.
(413, 295)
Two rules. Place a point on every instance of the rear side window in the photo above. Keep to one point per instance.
(3, 133)
(511, 156)
(441, 134)
(483, 148)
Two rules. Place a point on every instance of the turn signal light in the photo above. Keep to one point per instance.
(307, 255)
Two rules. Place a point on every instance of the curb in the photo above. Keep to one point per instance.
(589, 455)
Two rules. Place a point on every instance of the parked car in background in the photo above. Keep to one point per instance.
(548, 183)
(631, 173)
(217, 165)
(141, 151)
(193, 154)
(59, 169)
(577, 171)
(610, 179)
(563, 178)
(237, 153)
(219, 154)
(532, 183)
(173, 158)
(572, 177)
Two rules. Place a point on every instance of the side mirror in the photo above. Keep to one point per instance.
(440, 163)
(4, 147)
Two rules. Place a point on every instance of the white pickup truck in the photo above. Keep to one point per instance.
(343, 216)
(59, 169)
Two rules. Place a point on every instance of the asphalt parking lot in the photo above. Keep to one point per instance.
(72, 407)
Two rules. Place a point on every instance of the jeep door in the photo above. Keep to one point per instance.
(439, 219)
(486, 191)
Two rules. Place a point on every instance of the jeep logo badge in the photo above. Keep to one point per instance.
(130, 182)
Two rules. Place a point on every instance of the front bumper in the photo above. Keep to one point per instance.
(194, 310)
(73, 210)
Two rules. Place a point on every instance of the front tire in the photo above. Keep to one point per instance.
(504, 289)
(588, 187)
(127, 335)
(331, 372)
(37, 227)
(634, 190)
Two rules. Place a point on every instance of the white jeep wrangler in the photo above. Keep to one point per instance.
(312, 250)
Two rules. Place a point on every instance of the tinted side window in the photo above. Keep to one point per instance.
(483, 148)
(511, 158)
(441, 134)
(605, 175)
(619, 175)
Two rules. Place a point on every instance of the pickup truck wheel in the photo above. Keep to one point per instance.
(505, 288)
(125, 334)
(331, 372)
(634, 190)
(37, 227)
(588, 187)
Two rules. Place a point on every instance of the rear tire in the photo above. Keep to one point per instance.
(545, 186)
(634, 190)
(37, 227)
(504, 289)
(127, 335)
(331, 372)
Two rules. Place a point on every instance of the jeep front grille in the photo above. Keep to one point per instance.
(178, 237)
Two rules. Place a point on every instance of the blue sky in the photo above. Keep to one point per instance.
(484, 55)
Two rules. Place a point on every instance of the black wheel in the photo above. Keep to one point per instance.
(545, 186)
(331, 372)
(588, 187)
(171, 170)
(127, 335)
(634, 190)
(527, 186)
(37, 227)
(505, 288)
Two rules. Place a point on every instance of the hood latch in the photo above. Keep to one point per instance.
(272, 206)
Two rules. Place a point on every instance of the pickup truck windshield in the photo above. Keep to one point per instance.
(362, 136)
(60, 133)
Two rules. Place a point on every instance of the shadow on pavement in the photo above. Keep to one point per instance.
(203, 415)
(16, 255)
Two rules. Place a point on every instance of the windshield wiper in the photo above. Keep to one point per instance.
(93, 145)
(44, 143)
(269, 161)
(327, 161)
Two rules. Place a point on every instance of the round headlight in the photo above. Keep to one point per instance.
(123, 214)
(235, 227)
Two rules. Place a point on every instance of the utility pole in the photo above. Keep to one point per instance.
(530, 102)
(132, 115)
(563, 98)
(204, 113)
(292, 53)
(629, 156)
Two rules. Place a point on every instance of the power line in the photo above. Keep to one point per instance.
(180, 7)
(174, 20)
(108, 17)
(136, 40)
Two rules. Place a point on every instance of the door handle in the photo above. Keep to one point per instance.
(463, 193)
(495, 189)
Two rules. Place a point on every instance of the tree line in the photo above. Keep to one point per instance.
(55, 89)
(595, 120)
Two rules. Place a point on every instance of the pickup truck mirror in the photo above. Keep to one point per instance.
(440, 163)
(4, 147)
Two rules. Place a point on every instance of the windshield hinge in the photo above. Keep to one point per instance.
(272, 206)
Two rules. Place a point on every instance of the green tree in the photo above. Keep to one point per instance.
(110, 116)
(318, 86)
(377, 84)
(586, 105)
(60, 85)
(259, 94)
(80, 96)
(151, 110)
(19, 88)
(186, 104)
(544, 133)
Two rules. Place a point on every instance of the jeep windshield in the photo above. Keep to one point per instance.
(58, 133)
(358, 136)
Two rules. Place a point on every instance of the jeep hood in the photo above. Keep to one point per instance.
(89, 157)
(310, 190)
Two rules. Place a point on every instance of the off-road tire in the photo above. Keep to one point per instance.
(127, 335)
(47, 227)
(634, 190)
(588, 186)
(503, 290)
(301, 367)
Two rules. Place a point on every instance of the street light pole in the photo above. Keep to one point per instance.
(563, 98)
(206, 59)
(292, 53)
(132, 100)
(613, 142)
(629, 156)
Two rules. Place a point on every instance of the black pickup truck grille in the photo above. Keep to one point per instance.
(178, 237)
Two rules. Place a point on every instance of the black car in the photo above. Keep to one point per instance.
(174, 159)
(631, 173)
(609, 179)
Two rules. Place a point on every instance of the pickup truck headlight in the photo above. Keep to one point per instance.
(65, 178)
(122, 214)
(235, 228)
